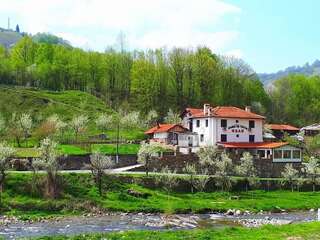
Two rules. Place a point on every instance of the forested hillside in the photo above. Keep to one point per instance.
(158, 79)
(155, 79)
(307, 69)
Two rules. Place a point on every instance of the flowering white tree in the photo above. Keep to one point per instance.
(247, 170)
(25, 122)
(104, 121)
(200, 182)
(5, 153)
(100, 164)
(130, 120)
(151, 117)
(208, 155)
(290, 175)
(79, 124)
(149, 150)
(48, 161)
(58, 124)
(312, 171)
(223, 168)
(172, 117)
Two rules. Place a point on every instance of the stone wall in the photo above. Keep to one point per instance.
(265, 167)
(75, 162)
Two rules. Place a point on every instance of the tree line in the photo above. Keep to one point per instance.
(140, 80)
(159, 79)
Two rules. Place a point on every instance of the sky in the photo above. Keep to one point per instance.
(270, 35)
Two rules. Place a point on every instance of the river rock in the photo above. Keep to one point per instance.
(230, 212)
(237, 212)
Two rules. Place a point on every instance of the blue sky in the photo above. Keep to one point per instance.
(268, 34)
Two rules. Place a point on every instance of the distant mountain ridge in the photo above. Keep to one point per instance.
(307, 69)
(9, 37)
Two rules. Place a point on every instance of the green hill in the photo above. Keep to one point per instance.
(46, 103)
(9, 38)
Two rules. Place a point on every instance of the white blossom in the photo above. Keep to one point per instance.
(172, 117)
(5, 153)
(104, 121)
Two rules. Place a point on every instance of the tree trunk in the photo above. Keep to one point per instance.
(313, 186)
(147, 166)
(191, 182)
(51, 185)
(100, 183)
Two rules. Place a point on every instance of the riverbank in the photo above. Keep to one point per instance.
(286, 232)
(78, 195)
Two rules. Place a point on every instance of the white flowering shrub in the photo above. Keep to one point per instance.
(48, 161)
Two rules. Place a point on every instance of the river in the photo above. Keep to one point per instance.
(139, 221)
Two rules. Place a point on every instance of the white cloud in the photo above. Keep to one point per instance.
(237, 53)
(147, 23)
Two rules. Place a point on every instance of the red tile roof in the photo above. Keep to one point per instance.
(162, 128)
(283, 127)
(224, 112)
(254, 145)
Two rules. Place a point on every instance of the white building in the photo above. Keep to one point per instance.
(223, 124)
(234, 129)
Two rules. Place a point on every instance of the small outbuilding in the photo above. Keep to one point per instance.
(278, 130)
(275, 151)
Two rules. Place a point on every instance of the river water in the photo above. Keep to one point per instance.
(123, 222)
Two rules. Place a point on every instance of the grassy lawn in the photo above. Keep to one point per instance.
(112, 148)
(287, 232)
(77, 150)
(27, 152)
(79, 194)
(72, 150)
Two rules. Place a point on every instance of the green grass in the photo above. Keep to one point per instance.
(45, 103)
(287, 232)
(26, 152)
(109, 149)
(79, 194)
(72, 150)
(112, 148)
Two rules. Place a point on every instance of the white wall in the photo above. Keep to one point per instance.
(161, 135)
(242, 136)
(212, 133)
(183, 140)
(208, 132)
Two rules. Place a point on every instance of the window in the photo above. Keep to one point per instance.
(251, 138)
(237, 135)
(223, 137)
(237, 121)
(287, 154)
(261, 153)
(190, 126)
(277, 154)
(223, 123)
(251, 124)
(201, 137)
(207, 122)
(198, 123)
(296, 154)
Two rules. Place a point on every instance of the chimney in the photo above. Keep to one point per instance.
(248, 109)
(206, 109)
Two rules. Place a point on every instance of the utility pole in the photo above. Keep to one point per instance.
(8, 23)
